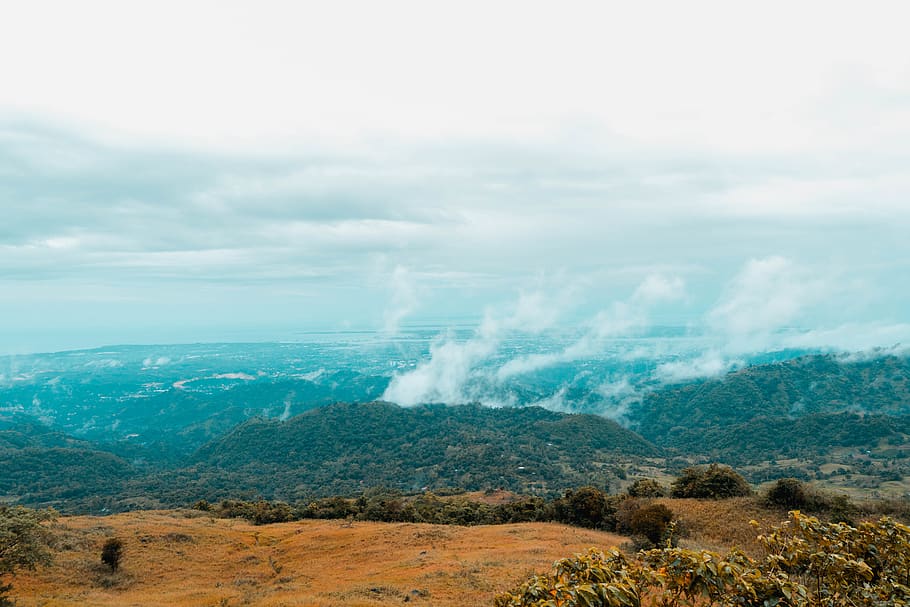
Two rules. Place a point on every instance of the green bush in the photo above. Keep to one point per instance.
(789, 494)
(651, 522)
(586, 507)
(715, 481)
(646, 487)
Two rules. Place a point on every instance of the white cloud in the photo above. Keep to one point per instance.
(446, 375)
(321, 142)
(459, 372)
(151, 363)
(658, 288)
(456, 372)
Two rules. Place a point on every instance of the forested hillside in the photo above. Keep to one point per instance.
(807, 406)
(817, 417)
(339, 448)
(342, 449)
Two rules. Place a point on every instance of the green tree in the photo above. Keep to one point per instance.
(23, 543)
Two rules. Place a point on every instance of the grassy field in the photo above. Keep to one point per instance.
(189, 559)
(184, 559)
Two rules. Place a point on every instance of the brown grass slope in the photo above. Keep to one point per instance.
(182, 559)
(188, 559)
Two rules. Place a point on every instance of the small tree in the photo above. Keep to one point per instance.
(23, 542)
(112, 553)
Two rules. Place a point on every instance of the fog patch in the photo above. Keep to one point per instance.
(312, 376)
(556, 401)
(619, 396)
(402, 302)
(861, 340)
(766, 296)
(708, 364)
(445, 376)
(104, 363)
(286, 414)
(154, 363)
(240, 375)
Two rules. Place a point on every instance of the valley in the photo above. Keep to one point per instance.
(162, 427)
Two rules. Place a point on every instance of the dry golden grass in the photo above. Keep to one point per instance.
(719, 525)
(491, 498)
(184, 559)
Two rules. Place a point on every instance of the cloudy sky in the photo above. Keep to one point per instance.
(180, 171)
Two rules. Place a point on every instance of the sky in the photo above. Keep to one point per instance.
(186, 171)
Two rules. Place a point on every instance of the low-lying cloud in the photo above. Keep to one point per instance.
(459, 372)
(622, 318)
(707, 364)
(760, 312)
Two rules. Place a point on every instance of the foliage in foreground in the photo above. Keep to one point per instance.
(23, 542)
(806, 563)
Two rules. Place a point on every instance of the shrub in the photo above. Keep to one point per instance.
(624, 511)
(526, 510)
(586, 507)
(651, 521)
(333, 507)
(646, 487)
(265, 513)
(112, 553)
(646, 522)
(714, 482)
(789, 494)
(202, 505)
